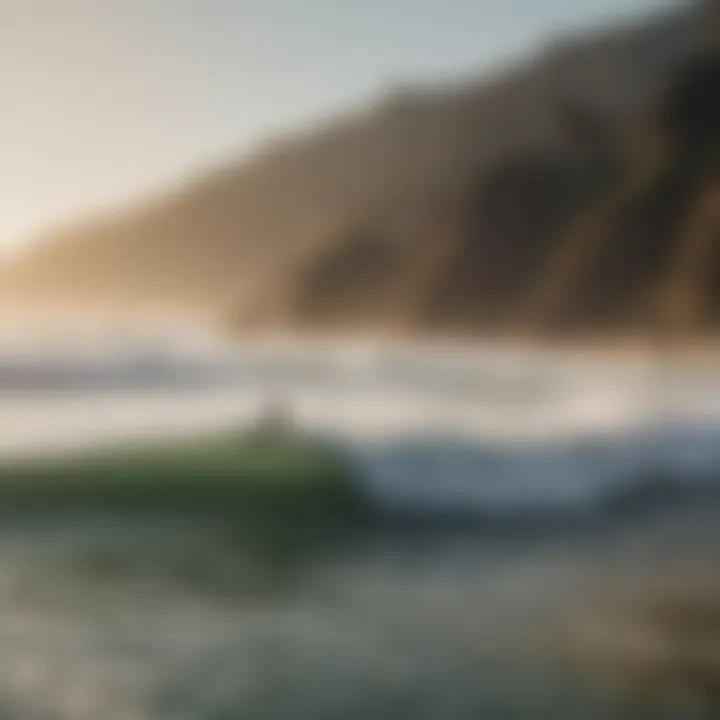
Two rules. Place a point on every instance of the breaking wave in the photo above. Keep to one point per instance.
(437, 430)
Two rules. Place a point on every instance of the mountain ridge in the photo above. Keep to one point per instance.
(405, 215)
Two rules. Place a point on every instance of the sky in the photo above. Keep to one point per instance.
(105, 101)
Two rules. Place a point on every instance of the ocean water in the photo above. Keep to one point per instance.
(146, 617)
(440, 428)
(110, 618)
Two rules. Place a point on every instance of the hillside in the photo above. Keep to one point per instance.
(436, 209)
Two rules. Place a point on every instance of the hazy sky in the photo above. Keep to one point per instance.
(104, 100)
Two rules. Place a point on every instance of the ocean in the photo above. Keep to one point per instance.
(527, 502)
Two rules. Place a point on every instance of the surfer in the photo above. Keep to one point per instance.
(274, 420)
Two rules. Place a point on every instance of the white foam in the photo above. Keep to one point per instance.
(426, 427)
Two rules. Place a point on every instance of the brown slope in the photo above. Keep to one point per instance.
(407, 215)
(642, 253)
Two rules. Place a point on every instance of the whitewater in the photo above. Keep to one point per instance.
(153, 617)
(425, 427)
